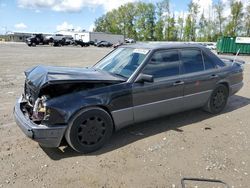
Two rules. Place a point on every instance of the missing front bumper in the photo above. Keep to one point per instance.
(45, 135)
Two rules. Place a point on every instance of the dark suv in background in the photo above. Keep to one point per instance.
(36, 39)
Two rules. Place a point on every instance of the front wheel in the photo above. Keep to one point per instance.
(89, 130)
(217, 100)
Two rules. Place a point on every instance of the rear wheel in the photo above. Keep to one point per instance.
(89, 130)
(217, 100)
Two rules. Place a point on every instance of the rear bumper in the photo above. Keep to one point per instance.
(45, 135)
(235, 88)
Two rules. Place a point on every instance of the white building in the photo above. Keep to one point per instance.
(87, 36)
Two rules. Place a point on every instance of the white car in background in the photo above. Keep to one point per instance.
(129, 40)
(56, 37)
(211, 46)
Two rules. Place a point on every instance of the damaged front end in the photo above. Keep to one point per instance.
(39, 109)
(36, 105)
(50, 98)
(48, 136)
(44, 83)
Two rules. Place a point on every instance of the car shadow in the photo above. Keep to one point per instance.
(140, 131)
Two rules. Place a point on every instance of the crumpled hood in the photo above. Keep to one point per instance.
(43, 75)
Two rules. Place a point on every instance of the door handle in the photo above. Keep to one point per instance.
(214, 76)
(178, 83)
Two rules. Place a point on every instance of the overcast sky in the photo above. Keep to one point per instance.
(54, 15)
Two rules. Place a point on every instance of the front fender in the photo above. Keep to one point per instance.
(61, 109)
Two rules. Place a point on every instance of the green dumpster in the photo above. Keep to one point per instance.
(233, 44)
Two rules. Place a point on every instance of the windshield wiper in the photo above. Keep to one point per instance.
(113, 73)
(118, 75)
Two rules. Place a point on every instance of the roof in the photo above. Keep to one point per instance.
(165, 45)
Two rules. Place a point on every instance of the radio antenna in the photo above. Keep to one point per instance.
(236, 55)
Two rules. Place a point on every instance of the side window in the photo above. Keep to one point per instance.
(216, 60)
(219, 63)
(163, 64)
(191, 60)
(208, 62)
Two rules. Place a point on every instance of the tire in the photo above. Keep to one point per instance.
(217, 100)
(33, 44)
(51, 40)
(89, 130)
(62, 42)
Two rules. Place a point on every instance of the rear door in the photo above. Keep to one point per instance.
(200, 77)
(164, 95)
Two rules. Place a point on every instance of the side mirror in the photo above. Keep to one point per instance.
(141, 78)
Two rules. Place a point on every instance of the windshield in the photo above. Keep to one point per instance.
(122, 61)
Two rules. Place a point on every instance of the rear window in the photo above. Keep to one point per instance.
(219, 63)
(191, 60)
(208, 62)
(215, 59)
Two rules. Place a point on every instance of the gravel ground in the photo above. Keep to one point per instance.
(156, 153)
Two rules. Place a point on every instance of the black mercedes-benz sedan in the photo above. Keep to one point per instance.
(133, 83)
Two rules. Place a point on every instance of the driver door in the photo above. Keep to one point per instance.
(165, 94)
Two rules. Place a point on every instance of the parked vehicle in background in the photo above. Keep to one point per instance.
(211, 46)
(104, 44)
(57, 43)
(117, 44)
(133, 83)
(97, 42)
(56, 37)
(91, 43)
(36, 39)
(81, 43)
(64, 42)
(68, 41)
(129, 40)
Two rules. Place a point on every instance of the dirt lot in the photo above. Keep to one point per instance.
(157, 153)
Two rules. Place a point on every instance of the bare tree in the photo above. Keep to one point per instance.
(219, 9)
(247, 20)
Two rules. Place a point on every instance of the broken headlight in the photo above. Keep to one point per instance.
(40, 111)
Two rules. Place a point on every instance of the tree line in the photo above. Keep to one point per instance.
(149, 22)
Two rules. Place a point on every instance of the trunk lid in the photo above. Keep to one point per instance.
(230, 61)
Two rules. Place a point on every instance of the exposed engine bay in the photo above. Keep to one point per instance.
(34, 100)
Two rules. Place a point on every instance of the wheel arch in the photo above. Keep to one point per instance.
(71, 139)
(81, 110)
(207, 106)
(226, 84)
(105, 108)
